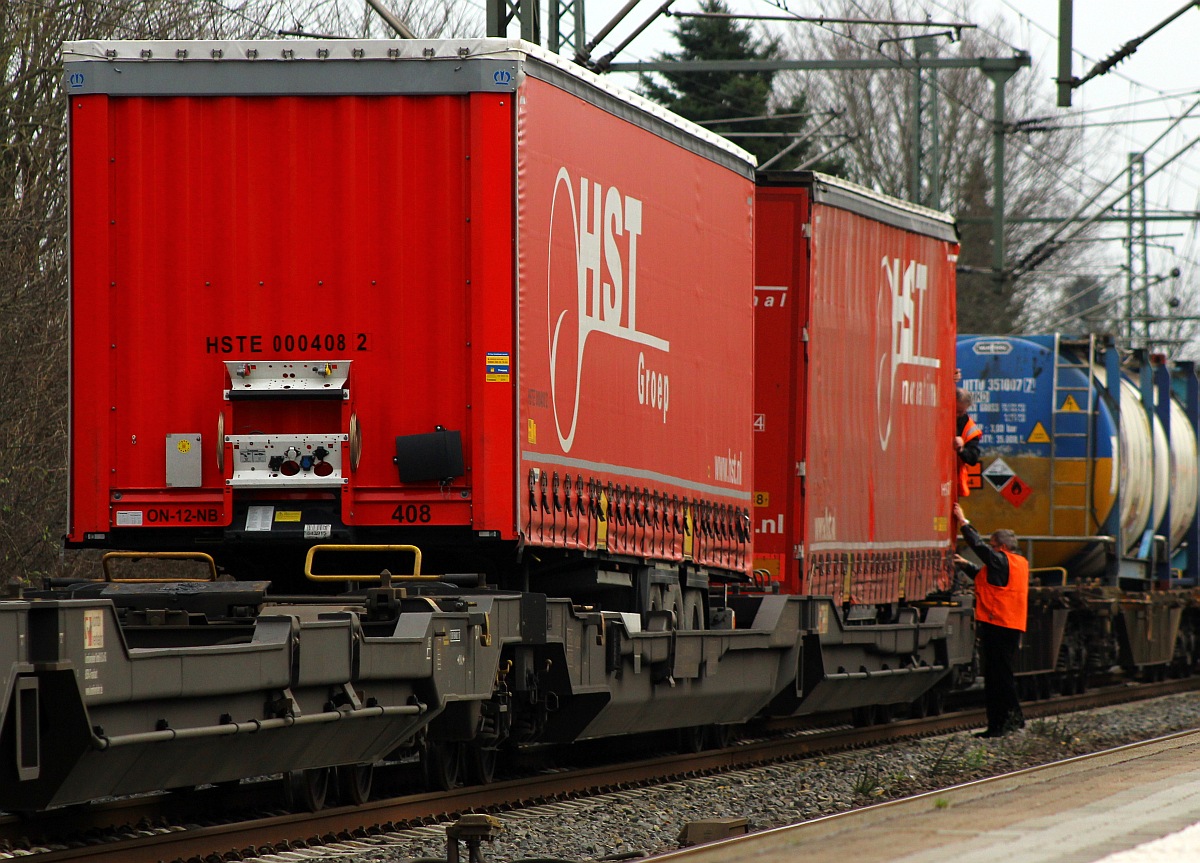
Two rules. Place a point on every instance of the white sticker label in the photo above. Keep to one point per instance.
(93, 629)
(997, 347)
(129, 518)
(317, 531)
(259, 517)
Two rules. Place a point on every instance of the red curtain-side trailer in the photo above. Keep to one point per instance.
(346, 291)
(854, 396)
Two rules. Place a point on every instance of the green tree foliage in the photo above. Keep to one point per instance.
(741, 105)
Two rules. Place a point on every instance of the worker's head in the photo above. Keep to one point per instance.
(1005, 539)
(964, 401)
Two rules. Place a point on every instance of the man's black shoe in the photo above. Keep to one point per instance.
(989, 734)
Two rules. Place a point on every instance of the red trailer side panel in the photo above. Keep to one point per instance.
(635, 319)
(872, 466)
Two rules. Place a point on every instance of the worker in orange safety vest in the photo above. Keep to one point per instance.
(1001, 608)
(966, 441)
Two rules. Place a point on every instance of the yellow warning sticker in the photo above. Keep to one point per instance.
(1069, 404)
(531, 431)
(1038, 435)
(762, 498)
(287, 515)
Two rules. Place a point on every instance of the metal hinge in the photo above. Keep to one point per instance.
(804, 334)
(798, 551)
(801, 468)
(806, 230)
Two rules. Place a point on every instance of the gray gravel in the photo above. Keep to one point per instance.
(649, 820)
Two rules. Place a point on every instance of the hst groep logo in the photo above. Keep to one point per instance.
(904, 368)
(580, 303)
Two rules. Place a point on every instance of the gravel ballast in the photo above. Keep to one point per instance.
(646, 821)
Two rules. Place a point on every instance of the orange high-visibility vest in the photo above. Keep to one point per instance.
(970, 432)
(1004, 606)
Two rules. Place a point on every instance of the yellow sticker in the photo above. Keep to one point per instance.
(531, 431)
(770, 564)
(1070, 405)
(184, 446)
(287, 515)
(1038, 435)
(941, 523)
(497, 367)
(762, 498)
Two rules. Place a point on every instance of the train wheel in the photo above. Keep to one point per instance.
(935, 701)
(354, 783)
(442, 763)
(307, 790)
(693, 739)
(480, 763)
(919, 708)
(720, 736)
(862, 717)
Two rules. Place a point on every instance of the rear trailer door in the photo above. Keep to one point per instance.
(781, 301)
(289, 291)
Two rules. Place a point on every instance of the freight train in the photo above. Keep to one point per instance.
(497, 406)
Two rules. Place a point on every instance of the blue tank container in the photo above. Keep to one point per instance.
(1056, 450)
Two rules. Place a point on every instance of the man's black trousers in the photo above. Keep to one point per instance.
(998, 647)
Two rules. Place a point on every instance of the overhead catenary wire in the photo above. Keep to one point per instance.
(1044, 249)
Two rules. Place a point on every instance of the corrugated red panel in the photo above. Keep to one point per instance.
(861, 355)
(307, 229)
(636, 320)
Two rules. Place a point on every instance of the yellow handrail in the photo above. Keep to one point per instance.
(157, 555)
(1062, 574)
(416, 573)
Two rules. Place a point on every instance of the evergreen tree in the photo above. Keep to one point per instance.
(743, 100)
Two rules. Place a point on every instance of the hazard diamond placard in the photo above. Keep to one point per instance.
(1016, 492)
(998, 474)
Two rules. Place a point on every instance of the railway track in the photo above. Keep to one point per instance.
(200, 825)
